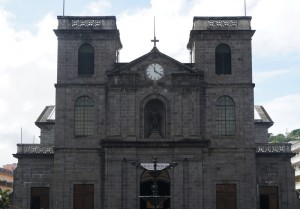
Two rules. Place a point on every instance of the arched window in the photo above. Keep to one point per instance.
(86, 60)
(84, 116)
(225, 116)
(223, 59)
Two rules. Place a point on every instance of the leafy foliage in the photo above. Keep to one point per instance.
(281, 138)
(4, 199)
(295, 135)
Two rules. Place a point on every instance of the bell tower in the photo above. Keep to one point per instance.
(87, 48)
(221, 47)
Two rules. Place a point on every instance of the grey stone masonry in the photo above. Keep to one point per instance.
(124, 115)
(204, 38)
(46, 122)
(72, 32)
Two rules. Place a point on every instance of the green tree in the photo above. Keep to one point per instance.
(294, 135)
(4, 199)
(279, 138)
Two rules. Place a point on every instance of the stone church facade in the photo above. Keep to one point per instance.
(117, 127)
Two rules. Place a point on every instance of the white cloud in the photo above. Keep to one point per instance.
(3, 108)
(96, 8)
(4, 81)
(171, 26)
(7, 149)
(275, 24)
(285, 113)
(217, 8)
(276, 27)
(260, 77)
(28, 72)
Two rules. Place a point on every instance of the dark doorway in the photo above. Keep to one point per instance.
(226, 196)
(268, 197)
(264, 201)
(163, 182)
(83, 196)
(39, 198)
(155, 118)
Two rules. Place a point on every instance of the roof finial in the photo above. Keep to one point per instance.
(154, 40)
(63, 7)
(245, 7)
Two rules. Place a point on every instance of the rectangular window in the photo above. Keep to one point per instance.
(225, 116)
(225, 196)
(39, 198)
(268, 197)
(84, 117)
(83, 196)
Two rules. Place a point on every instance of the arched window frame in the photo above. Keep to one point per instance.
(223, 59)
(225, 116)
(84, 116)
(86, 57)
(167, 116)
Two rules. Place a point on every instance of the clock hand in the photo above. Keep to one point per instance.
(158, 72)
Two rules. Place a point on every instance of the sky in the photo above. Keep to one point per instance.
(28, 52)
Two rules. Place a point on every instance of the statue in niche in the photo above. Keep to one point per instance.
(154, 120)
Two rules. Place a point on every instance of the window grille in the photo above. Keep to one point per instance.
(225, 116)
(84, 116)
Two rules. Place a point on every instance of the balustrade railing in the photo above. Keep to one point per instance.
(35, 149)
(273, 148)
(222, 23)
(87, 22)
(49, 148)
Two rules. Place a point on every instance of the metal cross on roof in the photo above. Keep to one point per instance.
(154, 40)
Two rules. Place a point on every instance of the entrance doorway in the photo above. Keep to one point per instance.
(39, 198)
(163, 182)
(268, 197)
(83, 196)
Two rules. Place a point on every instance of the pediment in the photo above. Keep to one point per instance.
(154, 56)
(136, 70)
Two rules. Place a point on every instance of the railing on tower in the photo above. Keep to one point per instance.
(35, 149)
(273, 148)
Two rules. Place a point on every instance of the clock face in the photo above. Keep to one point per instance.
(155, 71)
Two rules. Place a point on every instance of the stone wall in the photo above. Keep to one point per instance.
(32, 171)
(276, 170)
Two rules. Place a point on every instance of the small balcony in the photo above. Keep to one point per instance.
(35, 149)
